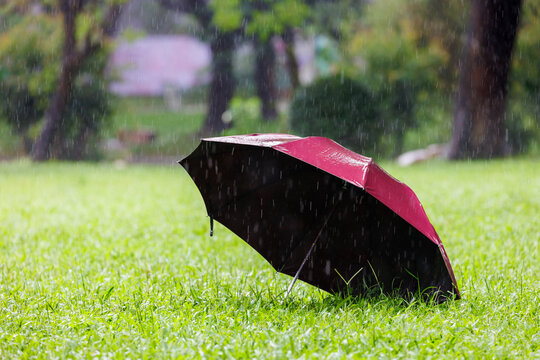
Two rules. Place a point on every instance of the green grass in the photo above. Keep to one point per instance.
(178, 131)
(175, 130)
(98, 261)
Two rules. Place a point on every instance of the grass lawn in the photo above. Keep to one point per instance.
(98, 261)
(174, 130)
(177, 131)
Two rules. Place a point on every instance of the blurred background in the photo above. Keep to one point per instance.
(143, 81)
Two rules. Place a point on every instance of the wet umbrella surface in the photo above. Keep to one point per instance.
(322, 213)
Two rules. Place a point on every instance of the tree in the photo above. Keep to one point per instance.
(265, 62)
(227, 22)
(266, 19)
(260, 20)
(222, 33)
(479, 118)
(30, 64)
(222, 85)
(27, 63)
(292, 62)
(73, 56)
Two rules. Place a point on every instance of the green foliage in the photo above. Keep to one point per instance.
(86, 112)
(228, 14)
(245, 114)
(30, 56)
(401, 73)
(279, 15)
(28, 68)
(390, 56)
(336, 19)
(388, 52)
(417, 45)
(340, 108)
(105, 261)
(440, 25)
(263, 18)
(523, 120)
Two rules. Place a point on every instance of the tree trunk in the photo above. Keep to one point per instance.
(264, 77)
(57, 106)
(292, 62)
(222, 85)
(479, 118)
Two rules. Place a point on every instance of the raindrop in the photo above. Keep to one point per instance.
(327, 268)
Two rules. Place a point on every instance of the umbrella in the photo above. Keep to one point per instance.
(322, 214)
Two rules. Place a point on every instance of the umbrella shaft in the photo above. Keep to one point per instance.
(302, 265)
(310, 250)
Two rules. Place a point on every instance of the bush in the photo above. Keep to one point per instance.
(30, 54)
(27, 69)
(90, 105)
(340, 108)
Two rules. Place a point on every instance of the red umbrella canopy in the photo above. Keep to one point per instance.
(356, 227)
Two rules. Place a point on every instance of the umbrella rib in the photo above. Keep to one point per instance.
(289, 289)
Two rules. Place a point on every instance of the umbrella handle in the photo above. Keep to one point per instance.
(289, 289)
